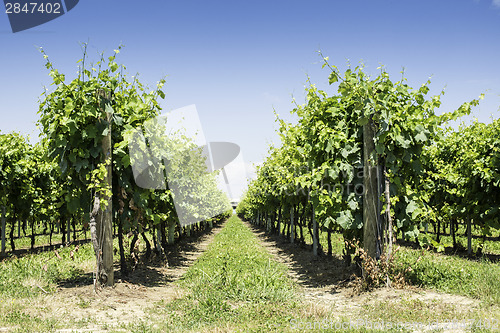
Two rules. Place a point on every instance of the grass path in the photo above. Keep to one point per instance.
(234, 286)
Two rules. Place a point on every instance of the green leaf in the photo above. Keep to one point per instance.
(72, 157)
(126, 161)
(332, 78)
(380, 148)
(81, 163)
(109, 109)
(73, 204)
(421, 137)
(113, 66)
(64, 166)
(117, 119)
(403, 143)
(345, 220)
(95, 151)
(333, 172)
(362, 121)
(91, 131)
(353, 204)
(413, 210)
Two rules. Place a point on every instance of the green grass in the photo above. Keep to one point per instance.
(429, 314)
(234, 284)
(452, 274)
(28, 275)
(24, 279)
(237, 286)
(239, 268)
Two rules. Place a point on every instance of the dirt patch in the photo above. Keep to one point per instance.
(128, 301)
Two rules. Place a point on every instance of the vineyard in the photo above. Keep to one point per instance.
(370, 195)
(375, 162)
(78, 178)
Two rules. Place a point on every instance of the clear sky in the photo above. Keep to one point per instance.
(237, 60)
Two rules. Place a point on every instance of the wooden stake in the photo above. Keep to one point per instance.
(158, 240)
(370, 199)
(171, 233)
(389, 231)
(469, 236)
(315, 233)
(105, 218)
(3, 230)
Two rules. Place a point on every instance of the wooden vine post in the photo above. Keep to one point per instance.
(107, 215)
(469, 236)
(158, 240)
(388, 227)
(315, 232)
(101, 222)
(3, 230)
(371, 242)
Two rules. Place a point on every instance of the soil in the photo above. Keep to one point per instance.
(325, 284)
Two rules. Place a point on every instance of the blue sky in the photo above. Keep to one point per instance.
(237, 60)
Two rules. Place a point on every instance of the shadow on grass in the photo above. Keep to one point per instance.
(320, 271)
(155, 271)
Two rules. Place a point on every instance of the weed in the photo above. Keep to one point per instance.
(379, 273)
